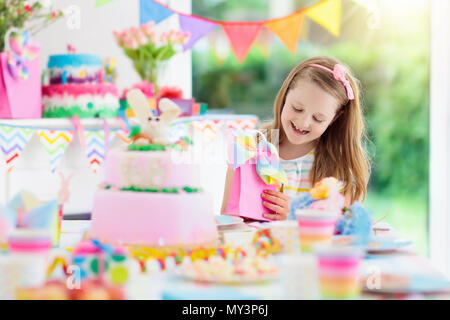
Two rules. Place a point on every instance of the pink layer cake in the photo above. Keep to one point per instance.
(159, 219)
(150, 169)
(152, 198)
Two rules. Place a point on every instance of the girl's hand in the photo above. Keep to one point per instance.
(280, 204)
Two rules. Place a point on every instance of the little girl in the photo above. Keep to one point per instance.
(320, 127)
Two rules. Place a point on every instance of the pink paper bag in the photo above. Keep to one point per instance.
(20, 99)
(245, 194)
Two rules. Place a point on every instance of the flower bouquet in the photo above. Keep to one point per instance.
(149, 49)
(32, 16)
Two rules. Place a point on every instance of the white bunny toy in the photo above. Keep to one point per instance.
(153, 129)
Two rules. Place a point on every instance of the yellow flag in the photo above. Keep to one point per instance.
(328, 15)
(287, 29)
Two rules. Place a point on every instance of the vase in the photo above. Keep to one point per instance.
(152, 71)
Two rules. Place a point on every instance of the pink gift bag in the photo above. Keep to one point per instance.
(245, 194)
(20, 98)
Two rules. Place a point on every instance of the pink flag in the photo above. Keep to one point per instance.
(241, 36)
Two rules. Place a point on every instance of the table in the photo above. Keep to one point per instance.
(165, 285)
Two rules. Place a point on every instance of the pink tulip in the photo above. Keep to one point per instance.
(164, 37)
(118, 37)
(134, 44)
(141, 38)
(148, 28)
(151, 36)
(131, 43)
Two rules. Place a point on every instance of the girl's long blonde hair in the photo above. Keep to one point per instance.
(339, 152)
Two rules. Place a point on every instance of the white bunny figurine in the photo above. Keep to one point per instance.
(153, 129)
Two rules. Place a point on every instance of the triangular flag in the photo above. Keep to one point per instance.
(328, 15)
(150, 10)
(207, 129)
(12, 142)
(95, 148)
(288, 30)
(198, 28)
(242, 124)
(241, 36)
(99, 3)
(55, 143)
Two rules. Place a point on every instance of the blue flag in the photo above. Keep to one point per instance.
(152, 11)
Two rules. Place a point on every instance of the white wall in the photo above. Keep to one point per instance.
(94, 34)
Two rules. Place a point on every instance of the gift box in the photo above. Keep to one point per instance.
(256, 168)
(20, 78)
(97, 261)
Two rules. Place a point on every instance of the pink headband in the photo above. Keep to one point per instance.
(339, 74)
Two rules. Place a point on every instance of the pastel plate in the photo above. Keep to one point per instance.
(232, 280)
(396, 283)
(222, 221)
(376, 244)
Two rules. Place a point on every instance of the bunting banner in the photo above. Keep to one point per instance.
(12, 142)
(179, 130)
(244, 124)
(287, 30)
(96, 147)
(152, 11)
(13, 139)
(197, 27)
(327, 14)
(242, 34)
(99, 3)
(207, 129)
(55, 142)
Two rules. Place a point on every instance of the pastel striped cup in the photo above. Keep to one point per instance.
(30, 241)
(315, 226)
(338, 268)
(30, 253)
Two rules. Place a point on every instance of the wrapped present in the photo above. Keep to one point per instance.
(102, 262)
(257, 168)
(20, 77)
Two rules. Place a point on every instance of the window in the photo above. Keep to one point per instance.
(386, 43)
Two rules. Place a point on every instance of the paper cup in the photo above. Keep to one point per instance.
(315, 226)
(338, 268)
(287, 235)
(299, 276)
(30, 241)
(8, 278)
(238, 238)
(29, 250)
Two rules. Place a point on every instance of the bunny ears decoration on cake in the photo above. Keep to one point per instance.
(153, 130)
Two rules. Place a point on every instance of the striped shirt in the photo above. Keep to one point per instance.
(297, 171)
